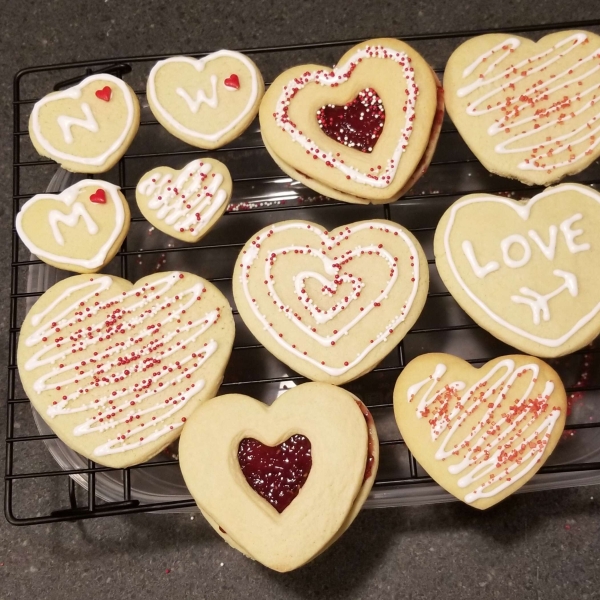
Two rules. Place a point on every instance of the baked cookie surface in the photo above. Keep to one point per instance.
(331, 304)
(81, 229)
(88, 127)
(481, 433)
(360, 128)
(281, 483)
(528, 110)
(115, 368)
(206, 102)
(526, 271)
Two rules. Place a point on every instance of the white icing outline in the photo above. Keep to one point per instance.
(465, 406)
(198, 64)
(68, 197)
(523, 212)
(75, 93)
(252, 252)
(334, 77)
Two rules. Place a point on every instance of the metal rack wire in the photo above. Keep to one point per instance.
(450, 176)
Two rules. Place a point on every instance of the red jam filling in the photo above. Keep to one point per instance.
(277, 473)
(357, 124)
(370, 449)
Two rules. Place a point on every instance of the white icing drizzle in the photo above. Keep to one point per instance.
(523, 211)
(512, 433)
(68, 197)
(571, 234)
(65, 123)
(329, 265)
(188, 203)
(199, 65)
(128, 339)
(337, 76)
(201, 98)
(547, 250)
(519, 96)
(71, 219)
(505, 246)
(75, 93)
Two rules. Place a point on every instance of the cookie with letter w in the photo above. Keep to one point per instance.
(526, 271)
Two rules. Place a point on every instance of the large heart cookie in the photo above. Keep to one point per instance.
(186, 203)
(333, 304)
(526, 271)
(360, 128)
(80, 229)
(480, 433)
(281, 483)
(205, 102)
(86, 128)
(528, 110)
(116, 368)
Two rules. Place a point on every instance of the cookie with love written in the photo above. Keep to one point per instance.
(331, 304)
(88, 127)
(281, 483)
(81, 229)
(481, 433)
(186, 203)
(360, 129)
(526, 270)
(206, 102)
(528, 110)
(116, 368)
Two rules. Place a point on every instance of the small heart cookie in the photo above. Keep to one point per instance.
(331, 304)
(186, 203)
(116, 368)
(206, 102)
(481, 433)
(528, 110)
(360, 128)
(81, 229)
(281, 483)
(526, 271)
(88, 127)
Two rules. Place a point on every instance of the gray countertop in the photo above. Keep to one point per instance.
(540, 545)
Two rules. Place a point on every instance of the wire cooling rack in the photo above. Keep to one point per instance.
(262, 194)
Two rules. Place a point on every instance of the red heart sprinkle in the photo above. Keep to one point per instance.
(99, 196)
(233, 81)
(104, 94)
(276, 472)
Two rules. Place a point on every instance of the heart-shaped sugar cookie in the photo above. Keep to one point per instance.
(186, 203)
(80, 229)
(526, 271)
(481, 433)
(115, 368)
(205, 102)
(360, 128)
(280, 482)
(88, 127)
(528, 110)
(331, 305)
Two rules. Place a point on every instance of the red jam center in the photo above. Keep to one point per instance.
(357, 124)
(277, 473)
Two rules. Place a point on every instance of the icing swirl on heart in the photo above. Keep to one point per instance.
(512, 432)
(128, 339)
(333, 267)
(338, 76)
(528, 101)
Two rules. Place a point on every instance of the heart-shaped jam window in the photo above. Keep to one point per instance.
(357, 124)
(277, 473)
